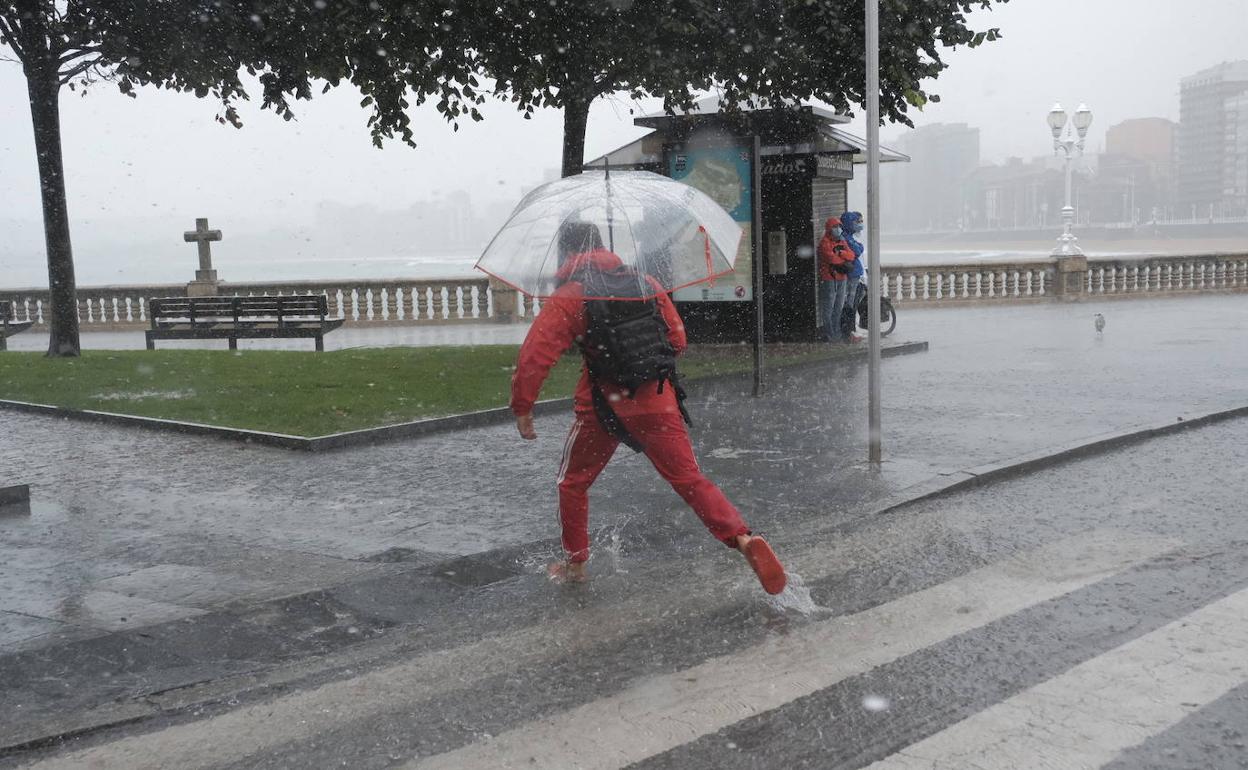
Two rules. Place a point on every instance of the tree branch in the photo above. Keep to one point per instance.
(606, 80)
(79, 53)
(77, 70)
(6, 29)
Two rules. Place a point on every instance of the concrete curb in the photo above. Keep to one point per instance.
(282, 440)
(370, 436)
(1020, 465)
(15, 500)
(18, 493)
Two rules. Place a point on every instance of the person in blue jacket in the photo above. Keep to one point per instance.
(851, 225)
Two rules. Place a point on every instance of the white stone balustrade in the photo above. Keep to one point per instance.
(1167, 275)
(359, 303)
(968, 283)
(1027, 281)
(476, 300)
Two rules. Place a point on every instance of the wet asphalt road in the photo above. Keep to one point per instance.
(1086, 615)
(959, 611)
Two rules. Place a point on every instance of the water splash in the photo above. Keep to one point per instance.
(539, 559)
(613, 547)
(607, 557)
(796, 598)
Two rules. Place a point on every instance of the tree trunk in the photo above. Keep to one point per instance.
(575, 120)
(43, 85)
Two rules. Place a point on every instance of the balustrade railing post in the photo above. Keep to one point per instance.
(506, 302)
(1071, 278)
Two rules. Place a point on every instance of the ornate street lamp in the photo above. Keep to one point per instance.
(1070, 147)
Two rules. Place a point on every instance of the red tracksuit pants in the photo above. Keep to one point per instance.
(665, 442)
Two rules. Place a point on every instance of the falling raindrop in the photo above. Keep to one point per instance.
(875, 703)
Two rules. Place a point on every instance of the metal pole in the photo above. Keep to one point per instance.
(756, 198)
(1067, 243)
(874, 448)
(1068, 213)
(610, 224)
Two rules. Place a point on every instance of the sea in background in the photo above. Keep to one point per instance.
(33, 274)
(178, 266)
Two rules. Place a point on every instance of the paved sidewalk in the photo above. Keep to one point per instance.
(131, 527)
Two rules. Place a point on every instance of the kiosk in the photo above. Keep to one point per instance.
(780, 173)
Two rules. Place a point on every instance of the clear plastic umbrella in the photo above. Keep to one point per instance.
(661, 228)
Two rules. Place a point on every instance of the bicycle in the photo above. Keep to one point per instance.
(888, 315)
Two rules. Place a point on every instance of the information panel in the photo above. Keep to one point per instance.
(724, 175)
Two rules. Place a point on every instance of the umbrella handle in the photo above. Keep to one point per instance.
(706, 239)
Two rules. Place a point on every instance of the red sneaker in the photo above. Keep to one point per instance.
(765, 564)
(853, 338)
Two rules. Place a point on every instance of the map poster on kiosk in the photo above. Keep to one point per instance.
(724, 175)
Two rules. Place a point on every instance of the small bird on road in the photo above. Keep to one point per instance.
(1100, 323)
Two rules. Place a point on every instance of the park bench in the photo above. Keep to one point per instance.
(234, 318)
(9, 325)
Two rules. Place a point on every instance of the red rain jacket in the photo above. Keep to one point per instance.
(833, 252)
(562, 321)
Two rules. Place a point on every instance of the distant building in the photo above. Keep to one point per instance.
(1018, 195)
(1135, 175)
(1212, 177)
(1150, 139)
(929, 192)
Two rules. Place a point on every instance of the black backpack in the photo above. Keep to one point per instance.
(625, 344)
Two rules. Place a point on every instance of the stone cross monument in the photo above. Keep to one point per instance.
(205, 283)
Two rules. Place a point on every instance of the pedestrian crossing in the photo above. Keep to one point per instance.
(660, 713)
(1096, 710)
(1084, 716)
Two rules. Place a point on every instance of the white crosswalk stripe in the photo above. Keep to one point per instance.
(654, 714)
(660, 713)
(1090, 714)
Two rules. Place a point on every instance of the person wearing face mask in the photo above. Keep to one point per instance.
(851, 226)
(835, 261)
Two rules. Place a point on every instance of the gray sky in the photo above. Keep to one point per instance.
(142, 169)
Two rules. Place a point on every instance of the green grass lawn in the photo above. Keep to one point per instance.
(306, 393)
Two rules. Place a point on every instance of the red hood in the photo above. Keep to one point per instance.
(599, 259)
(832, 222)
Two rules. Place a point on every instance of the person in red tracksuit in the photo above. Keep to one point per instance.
(651, 415)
